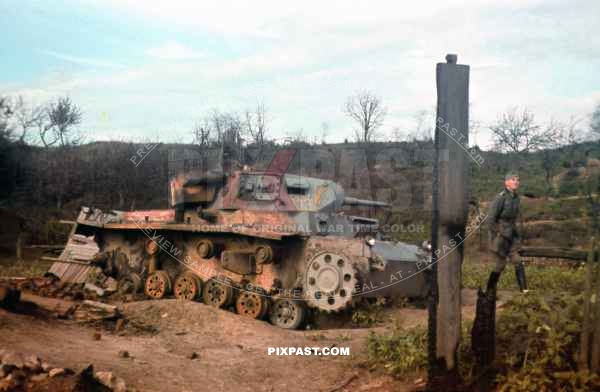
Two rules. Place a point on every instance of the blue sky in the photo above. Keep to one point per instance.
(151, 69)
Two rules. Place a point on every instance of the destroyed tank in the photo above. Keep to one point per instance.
(265, 243)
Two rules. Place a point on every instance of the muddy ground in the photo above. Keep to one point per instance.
(161, 337)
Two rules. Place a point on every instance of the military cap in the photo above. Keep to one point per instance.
(510, 175)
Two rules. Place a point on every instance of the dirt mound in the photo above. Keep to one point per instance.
(177, 317)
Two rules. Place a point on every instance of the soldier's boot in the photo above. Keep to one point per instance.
(521, 279)
(493, 281)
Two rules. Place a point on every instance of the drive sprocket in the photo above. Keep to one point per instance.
(330, 281)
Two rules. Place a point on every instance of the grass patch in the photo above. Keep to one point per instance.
(537, 333)
(401, 354)
(544, 279)
(27, 269)
(368, 314)
(537, 344)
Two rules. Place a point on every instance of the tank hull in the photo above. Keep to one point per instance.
(246, 257)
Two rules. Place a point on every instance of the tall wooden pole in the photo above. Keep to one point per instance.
(450, 202)
(585, 339)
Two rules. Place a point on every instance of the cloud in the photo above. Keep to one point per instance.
(174, 50)
(304, 60)
(82, 60)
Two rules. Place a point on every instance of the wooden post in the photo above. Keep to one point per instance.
(584, 346)
(19, 246)
(450, 204)
(594, 319)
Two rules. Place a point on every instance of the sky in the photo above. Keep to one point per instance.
(150, 70)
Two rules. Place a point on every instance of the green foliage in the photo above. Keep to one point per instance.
(401, 353)
(557, 209)
(537, 345)
(570, 186)
(544, 279)
(537, 334)
(368, 314)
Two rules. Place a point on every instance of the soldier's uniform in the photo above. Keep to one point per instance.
(504, 237)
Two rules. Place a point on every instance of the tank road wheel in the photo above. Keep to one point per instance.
(263, 254)
(287, 313)
(251, 304)
(217, 294)
(157, 285)
(205, 249)
(187, 287)
(330, 281)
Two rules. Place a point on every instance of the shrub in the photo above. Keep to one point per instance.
(401, 353)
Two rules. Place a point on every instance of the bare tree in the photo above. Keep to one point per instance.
(29, 116)
(202, 133)
(559, 133)
(63, 116)
(324, 132)
(225, 123)
(424, 122)
(6, 113)
(256, 124)
(397, 134)
(368, 112)
(595, 120)
(518, 132)
(571, 136)
(296, 137)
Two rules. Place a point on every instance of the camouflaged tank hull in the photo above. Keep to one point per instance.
(279, 250)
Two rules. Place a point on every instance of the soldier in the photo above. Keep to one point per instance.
(503, 234)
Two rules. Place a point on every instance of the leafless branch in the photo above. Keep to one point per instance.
(518, 132)
(368, 112)
(63, 116)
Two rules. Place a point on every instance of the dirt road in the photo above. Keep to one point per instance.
(162, 335)
(232, 351)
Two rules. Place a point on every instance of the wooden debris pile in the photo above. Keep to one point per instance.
(96, 286)
(22, 372)
(9, 295)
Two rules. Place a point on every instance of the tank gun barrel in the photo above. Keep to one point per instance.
(353, 201)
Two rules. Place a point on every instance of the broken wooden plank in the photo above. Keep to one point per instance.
(94, 311)
(61, 307)
(44, 247)
(56, 259)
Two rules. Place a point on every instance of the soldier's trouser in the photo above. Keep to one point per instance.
(514, 257)
(501, 261)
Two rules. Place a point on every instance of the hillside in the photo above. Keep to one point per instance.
(42, 186)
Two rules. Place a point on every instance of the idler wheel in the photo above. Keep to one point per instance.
(251, 304)
(287, 313)
(158, 284)
(263, 254)
(187, 287)
(205, 249)
(217, 294)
